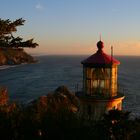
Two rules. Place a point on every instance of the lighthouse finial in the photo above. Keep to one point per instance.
(111, 54)
(100, 37)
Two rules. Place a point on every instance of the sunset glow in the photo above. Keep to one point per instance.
(73, 26)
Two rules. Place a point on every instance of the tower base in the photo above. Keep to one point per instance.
(94, 107)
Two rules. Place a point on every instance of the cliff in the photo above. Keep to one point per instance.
(12, 56)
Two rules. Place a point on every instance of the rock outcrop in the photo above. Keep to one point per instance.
(61, 98)
(13, 56)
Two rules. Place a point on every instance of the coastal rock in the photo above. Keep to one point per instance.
(14, 56)
(61, 98)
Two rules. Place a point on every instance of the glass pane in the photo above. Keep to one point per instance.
(100, 73)
(102, 83)
(95, 83)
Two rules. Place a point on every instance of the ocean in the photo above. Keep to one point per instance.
(27, 82)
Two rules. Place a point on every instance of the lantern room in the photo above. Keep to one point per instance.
(100, 74)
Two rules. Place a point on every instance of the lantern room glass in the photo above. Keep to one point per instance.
(100, 81)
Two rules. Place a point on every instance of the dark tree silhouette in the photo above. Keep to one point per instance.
(50, 117)
(7, 40)
(116, 125)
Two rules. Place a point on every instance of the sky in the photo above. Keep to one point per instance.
(73, 27)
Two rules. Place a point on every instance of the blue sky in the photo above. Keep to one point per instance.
(74, 26)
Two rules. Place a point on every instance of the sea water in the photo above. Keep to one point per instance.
(29, 81)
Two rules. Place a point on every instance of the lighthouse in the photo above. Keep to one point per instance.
(100, 85)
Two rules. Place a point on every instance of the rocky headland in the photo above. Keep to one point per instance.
(14, 56)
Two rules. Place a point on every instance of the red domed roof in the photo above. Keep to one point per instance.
(100, 58)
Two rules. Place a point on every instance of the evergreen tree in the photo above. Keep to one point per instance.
(7, 40)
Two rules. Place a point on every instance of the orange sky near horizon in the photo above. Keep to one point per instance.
(131, 48)
(73, 27)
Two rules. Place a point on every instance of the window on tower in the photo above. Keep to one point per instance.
(100, 80)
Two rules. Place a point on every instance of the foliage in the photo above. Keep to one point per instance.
(38, 121)
(7, 28)
(116, 125)
(3, 96)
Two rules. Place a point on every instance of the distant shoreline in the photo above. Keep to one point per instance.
(12, 56)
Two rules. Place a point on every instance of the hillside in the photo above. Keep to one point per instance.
(12, 56)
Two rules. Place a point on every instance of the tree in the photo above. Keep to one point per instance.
(7, 40)
(116, 125)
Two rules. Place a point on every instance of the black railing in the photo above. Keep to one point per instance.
(99, 93)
